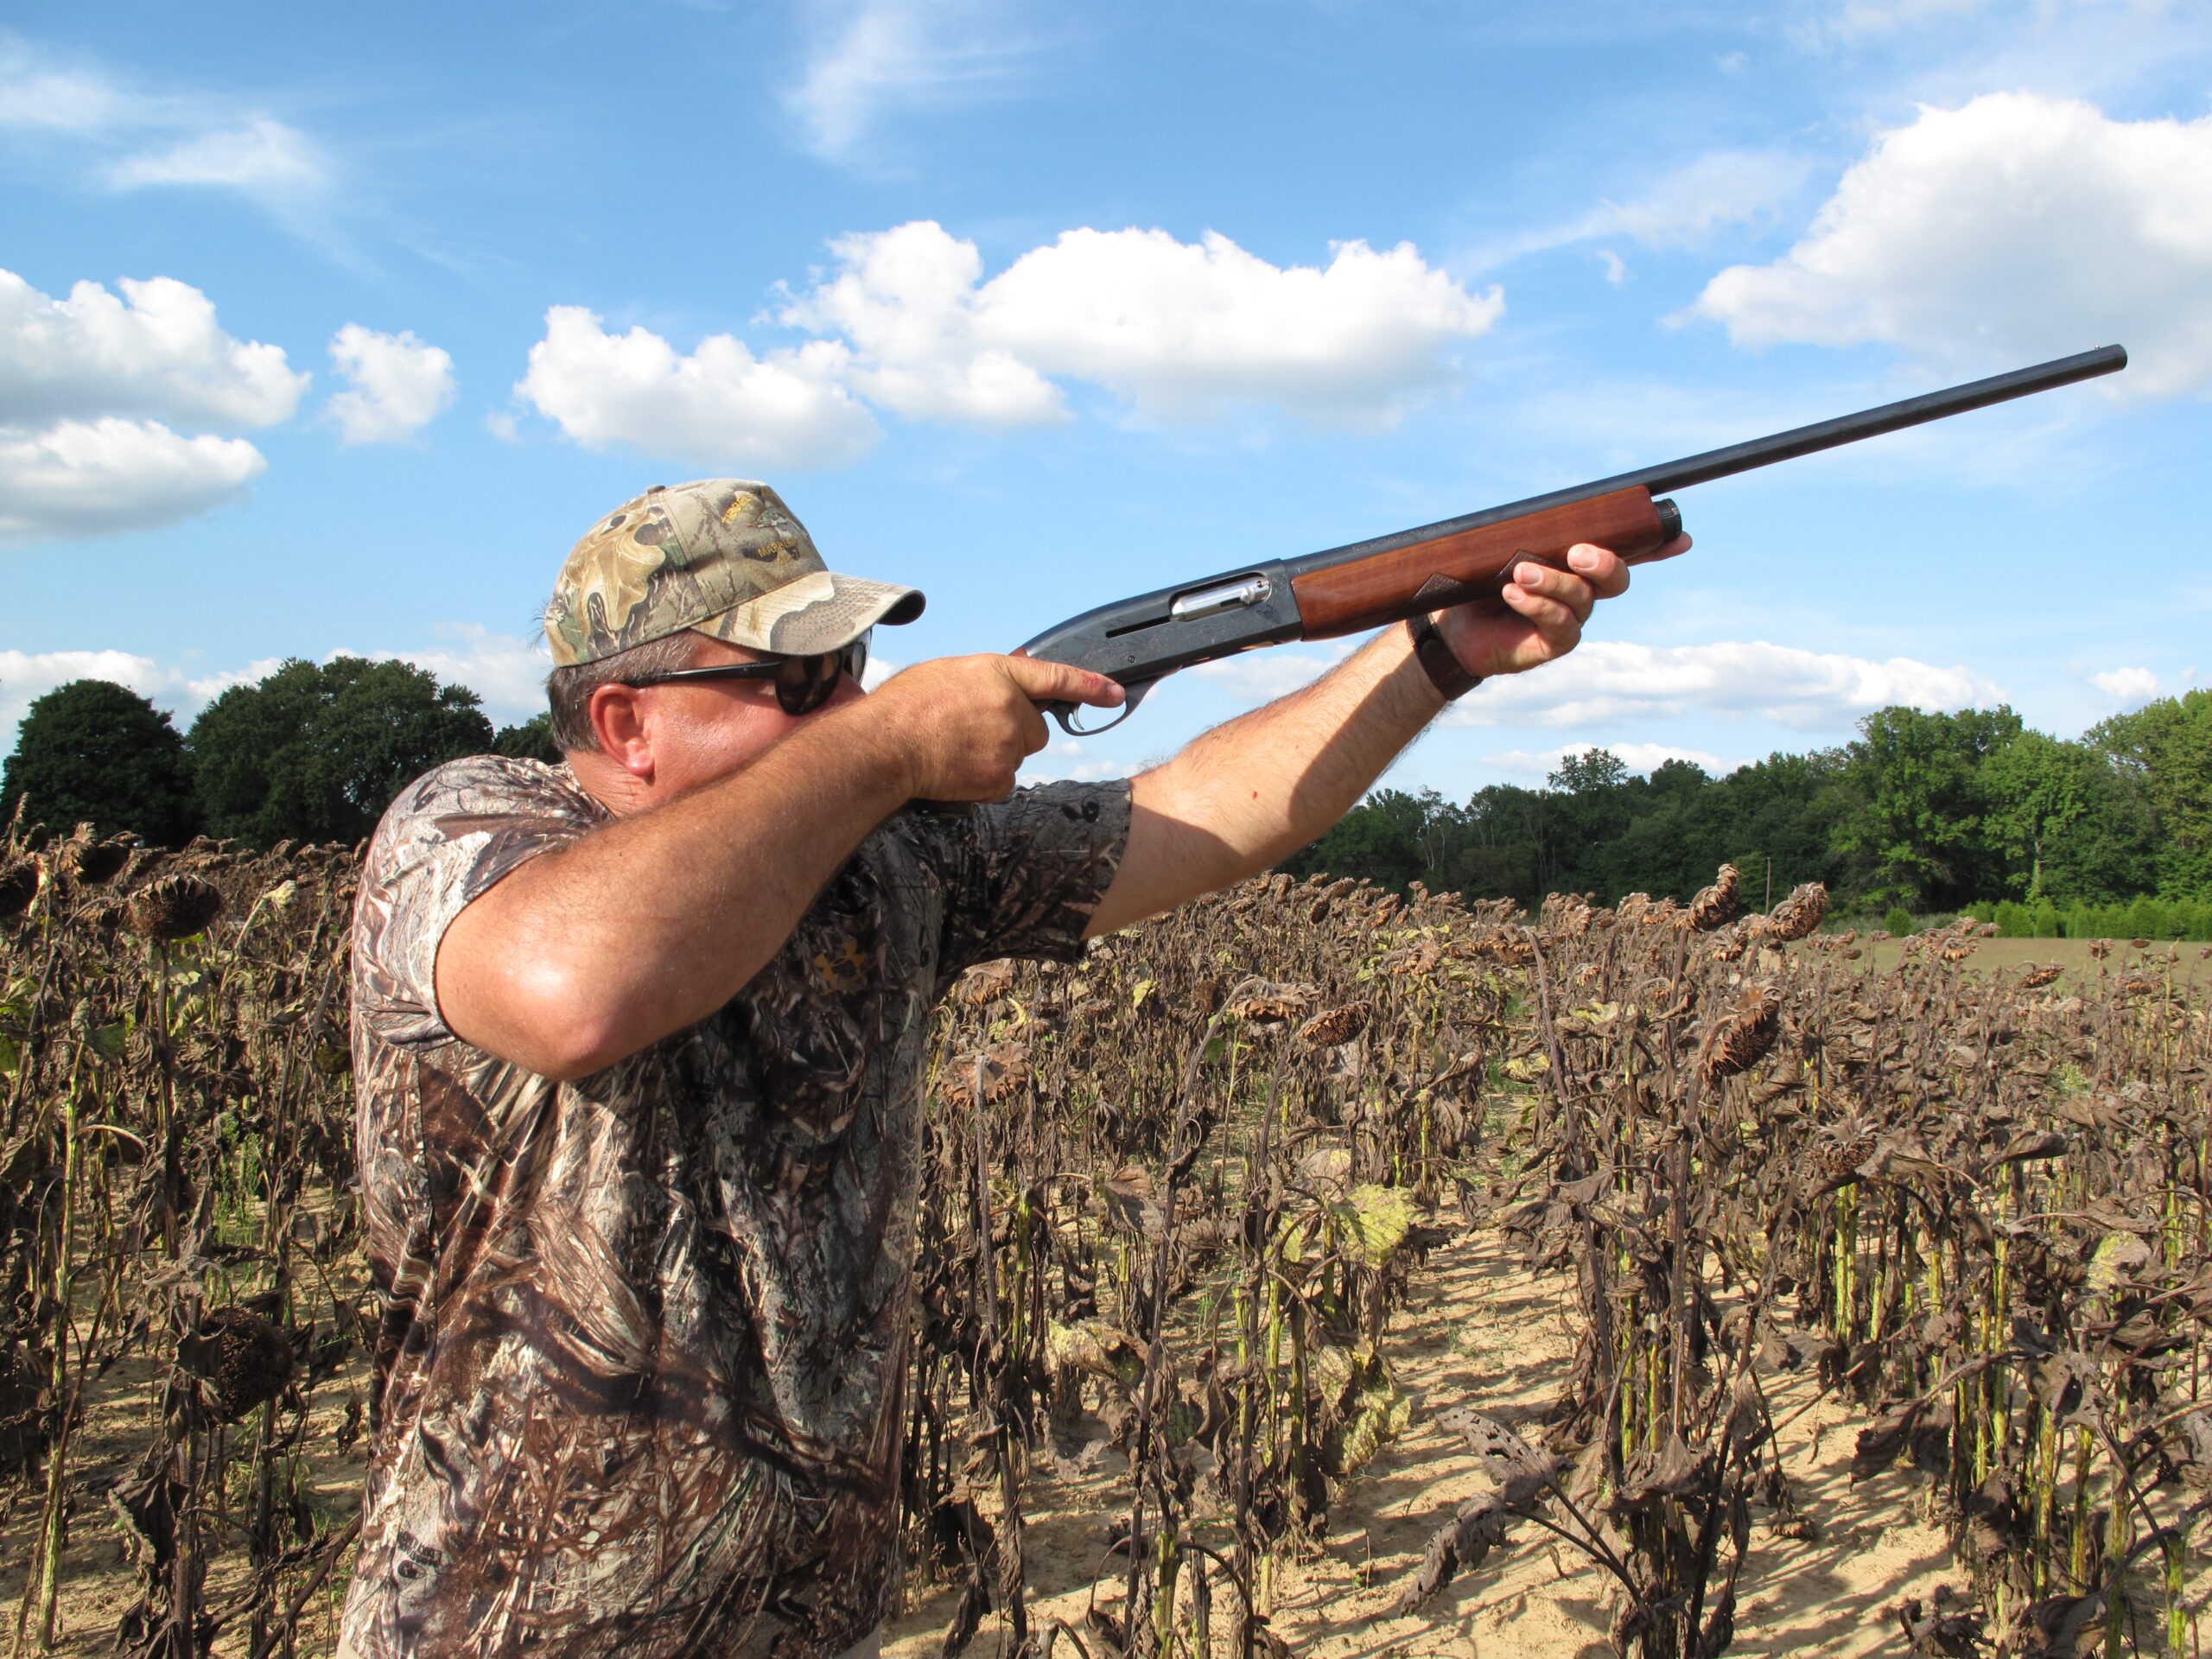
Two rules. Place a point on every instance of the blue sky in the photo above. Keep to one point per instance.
(331, 329)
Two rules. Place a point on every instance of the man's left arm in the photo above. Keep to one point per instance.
(1253, 791)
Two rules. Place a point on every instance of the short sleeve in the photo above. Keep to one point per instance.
(1033, 870)
(448, 839)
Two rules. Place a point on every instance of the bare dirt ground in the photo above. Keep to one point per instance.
(1483, 1332)
(1480, 1332)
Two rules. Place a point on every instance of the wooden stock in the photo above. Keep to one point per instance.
(1451, 569)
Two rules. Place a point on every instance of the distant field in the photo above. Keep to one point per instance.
(2189, 959)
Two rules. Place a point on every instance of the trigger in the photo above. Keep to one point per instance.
(1066, 712)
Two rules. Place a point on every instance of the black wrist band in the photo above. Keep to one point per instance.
(1437, 661)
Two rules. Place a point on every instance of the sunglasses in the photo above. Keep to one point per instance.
(803, 684)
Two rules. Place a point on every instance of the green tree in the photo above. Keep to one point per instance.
(1379, 840)
(1783, 811)
(1588, 772)
(1591, 799)
(531, 740)
(1507, 849)
(1915, 835)
(2165, 752)
(315, 752)
(2070, 827)
(95, 752)
(1660, 847)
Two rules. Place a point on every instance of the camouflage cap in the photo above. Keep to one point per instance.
(724, 556)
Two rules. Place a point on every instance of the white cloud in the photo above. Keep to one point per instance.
(2013, 228)
(1640, 758)
(157, 350)
(2129, 687)
(1607, 681)
(906, 300)
(399, 384)
(92, 478)
(60, 100)
(264, 156)
(1180, 328)
(74, 372)
(907, 323)
(720, 406)
(1718, 191)
(872, 57)
(128, 134)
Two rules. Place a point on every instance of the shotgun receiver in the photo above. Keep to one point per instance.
(1139, 642)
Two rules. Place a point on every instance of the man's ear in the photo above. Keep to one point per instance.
(618, 718)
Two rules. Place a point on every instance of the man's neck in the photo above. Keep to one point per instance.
(614, 787)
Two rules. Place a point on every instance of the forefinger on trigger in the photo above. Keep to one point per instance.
(1062, 681)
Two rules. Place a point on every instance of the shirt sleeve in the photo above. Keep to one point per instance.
(1031, 871)
(448, 839)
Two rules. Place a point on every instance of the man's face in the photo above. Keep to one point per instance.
(682, 735)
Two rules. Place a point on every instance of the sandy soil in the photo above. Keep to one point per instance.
(1483, 1332)
(1480, 1332)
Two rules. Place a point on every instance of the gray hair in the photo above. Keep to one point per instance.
(568, 690)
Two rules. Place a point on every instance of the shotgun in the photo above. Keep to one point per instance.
(1139, 642)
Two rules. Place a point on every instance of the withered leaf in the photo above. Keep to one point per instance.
(1879, 1446)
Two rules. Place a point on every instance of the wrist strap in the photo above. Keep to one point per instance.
(1438, 661)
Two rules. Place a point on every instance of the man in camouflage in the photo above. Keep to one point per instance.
(639, 1040)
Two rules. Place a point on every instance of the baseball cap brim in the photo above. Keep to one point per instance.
(819, 612)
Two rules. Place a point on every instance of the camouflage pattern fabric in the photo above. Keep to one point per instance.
(723, 555)
(639, 1375)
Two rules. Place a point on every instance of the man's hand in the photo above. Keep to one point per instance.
(1538, 617)
(965, 724)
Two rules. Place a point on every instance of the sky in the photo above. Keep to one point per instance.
(330, 330)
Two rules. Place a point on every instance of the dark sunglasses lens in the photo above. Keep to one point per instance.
(805, 683)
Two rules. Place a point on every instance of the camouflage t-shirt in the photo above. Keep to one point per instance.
(639, 1372)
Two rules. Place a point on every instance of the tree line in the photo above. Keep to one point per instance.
(1927, 813)
(312, 752)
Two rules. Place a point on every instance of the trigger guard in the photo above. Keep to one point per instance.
(1066, 717)
(1066, 712)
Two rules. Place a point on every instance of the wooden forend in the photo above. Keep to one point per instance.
(1472, 564)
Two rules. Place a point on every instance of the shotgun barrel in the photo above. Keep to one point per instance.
(1759, 451)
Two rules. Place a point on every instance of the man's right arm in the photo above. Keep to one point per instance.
(585, 955)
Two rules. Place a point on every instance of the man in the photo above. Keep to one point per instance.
(637, 1043)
